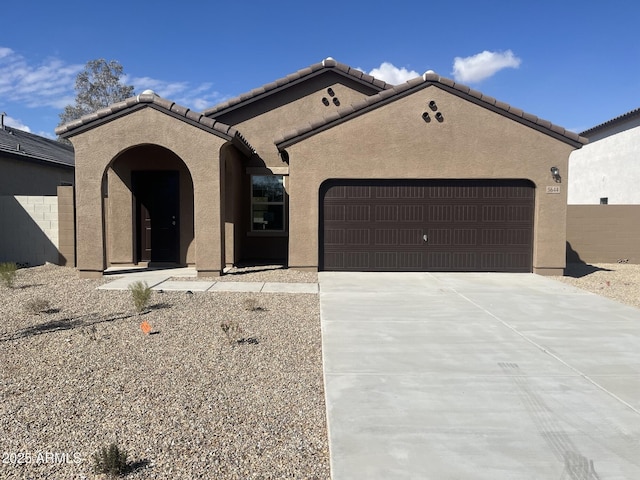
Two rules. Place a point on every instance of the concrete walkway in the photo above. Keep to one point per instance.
(159, 279)
(478, 376)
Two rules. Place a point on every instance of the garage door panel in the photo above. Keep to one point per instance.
(357, 236)
(478, 225)
(466, 236)
(386, 213)
(357, 213)
(334, 213)
(410, 237)
(387, 236)
(411, 213)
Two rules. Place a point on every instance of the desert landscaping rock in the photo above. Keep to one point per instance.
(186, 401)
(618, 281)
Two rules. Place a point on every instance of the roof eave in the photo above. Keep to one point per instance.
(34, 158)
(296, 78)
(612, 122)
(448, 85)
(133, 104)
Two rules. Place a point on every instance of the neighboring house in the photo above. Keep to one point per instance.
(603, 224)
(31, 170)
(606, 171)
(327, 168)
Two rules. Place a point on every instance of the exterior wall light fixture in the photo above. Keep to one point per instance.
(555, 174)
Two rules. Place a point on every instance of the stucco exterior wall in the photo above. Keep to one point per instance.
(122, 227)
(263, 121)
(603, 233)
(66, 226)
(95, 149)
(606, 168)
(394, 141)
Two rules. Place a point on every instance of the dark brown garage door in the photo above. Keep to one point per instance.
(428, 225)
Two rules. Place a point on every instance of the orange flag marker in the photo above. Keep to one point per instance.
(145, 327)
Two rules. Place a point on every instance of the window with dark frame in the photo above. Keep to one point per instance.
(267, 203)
(604, 200)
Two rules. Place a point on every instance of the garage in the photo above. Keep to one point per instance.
(427, 225)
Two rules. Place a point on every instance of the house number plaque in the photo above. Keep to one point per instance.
(553, 189)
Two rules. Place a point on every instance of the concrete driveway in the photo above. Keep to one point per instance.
(478, 376)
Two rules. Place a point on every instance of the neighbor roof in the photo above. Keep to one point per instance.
(150, 99)
(610, 123)
(398, 91)
(34, 147)
(326, 65)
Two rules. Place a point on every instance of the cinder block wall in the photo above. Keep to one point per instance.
(29, 232)
(603, 233)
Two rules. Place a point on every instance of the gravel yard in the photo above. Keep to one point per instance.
(618, 281)
(184, 401)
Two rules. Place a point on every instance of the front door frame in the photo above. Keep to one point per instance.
(166, 204)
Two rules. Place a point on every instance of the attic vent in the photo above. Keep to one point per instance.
(332, 94)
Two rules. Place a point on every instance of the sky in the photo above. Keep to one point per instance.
(574, 63)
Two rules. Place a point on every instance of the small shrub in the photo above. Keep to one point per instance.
(8, 273)
(232, 331)
(111, 460)
(38, 305)
(252, 305)
(141, 294)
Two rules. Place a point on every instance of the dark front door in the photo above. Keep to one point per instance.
(157, 207)
(427, 225)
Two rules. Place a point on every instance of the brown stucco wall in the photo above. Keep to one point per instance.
(66, 226)
(122, 228)
(603, 233)
(394, 141)
(261, 122)
(95, 150)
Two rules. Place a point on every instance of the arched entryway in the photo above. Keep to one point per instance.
(149, 208)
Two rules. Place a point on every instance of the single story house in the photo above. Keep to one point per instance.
(32, 169)
(327, 168)
(603, 212)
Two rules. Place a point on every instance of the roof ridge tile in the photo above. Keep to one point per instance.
(435, 79)
(164, 104)
(266, 89)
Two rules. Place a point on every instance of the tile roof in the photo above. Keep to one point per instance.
(34, 147)
(612, 122)
(328, 64)
(429, 78)
(150, 99)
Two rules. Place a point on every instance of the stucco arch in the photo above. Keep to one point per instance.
(199, 151)
(122, 207)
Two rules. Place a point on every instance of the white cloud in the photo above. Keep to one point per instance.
(15, 123)
(198, 98)
(49, 84)
(393, 75)
(483, 65)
